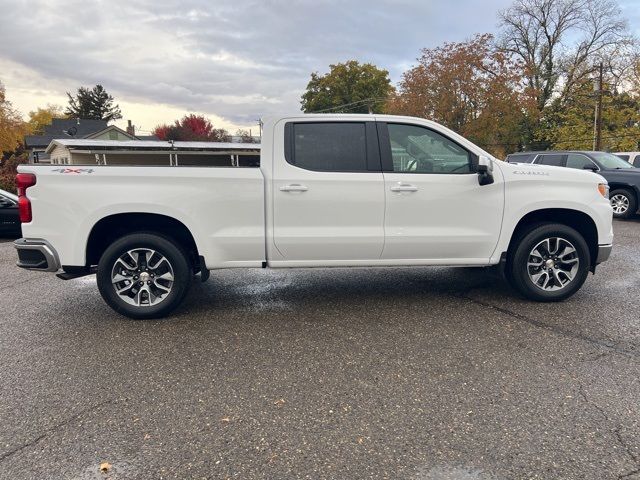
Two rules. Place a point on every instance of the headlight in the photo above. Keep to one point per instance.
(603, 188)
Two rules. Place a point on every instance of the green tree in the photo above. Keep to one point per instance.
(349, 87)
(568, 124)
(12, 127)
(42, 117)
(94, 104)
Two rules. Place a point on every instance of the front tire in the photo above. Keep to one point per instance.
(550, 263)
(143, 275)
(623, 202)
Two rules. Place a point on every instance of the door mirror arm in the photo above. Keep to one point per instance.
(485, 171)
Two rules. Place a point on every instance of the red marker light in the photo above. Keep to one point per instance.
(24, 181)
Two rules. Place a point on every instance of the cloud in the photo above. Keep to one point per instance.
(230, 59)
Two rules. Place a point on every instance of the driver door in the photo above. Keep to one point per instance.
(435, 210)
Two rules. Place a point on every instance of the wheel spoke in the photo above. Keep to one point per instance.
(124, 289)
(117, 278)
(161, 287)
(165, 276)
(157, 264)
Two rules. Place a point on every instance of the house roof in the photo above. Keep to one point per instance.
(59, 126)
(155, 145)
(107, 129)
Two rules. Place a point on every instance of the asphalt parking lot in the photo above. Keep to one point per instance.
(423, 373)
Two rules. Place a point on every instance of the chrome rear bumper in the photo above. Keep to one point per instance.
(36, 255)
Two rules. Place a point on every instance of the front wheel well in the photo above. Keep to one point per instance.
(110, 228)
(579, 221)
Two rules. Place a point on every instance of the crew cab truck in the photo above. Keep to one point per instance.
(330, 191)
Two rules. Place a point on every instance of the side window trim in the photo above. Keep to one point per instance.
(373, 153)
(7, 199)
(387, 158)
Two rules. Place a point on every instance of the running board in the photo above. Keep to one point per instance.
(76, 273)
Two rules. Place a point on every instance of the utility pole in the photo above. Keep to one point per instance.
(597, 124)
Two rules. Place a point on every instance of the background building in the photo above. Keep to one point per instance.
(152, 152)
(75, 129)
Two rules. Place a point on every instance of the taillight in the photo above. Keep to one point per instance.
(24, 181)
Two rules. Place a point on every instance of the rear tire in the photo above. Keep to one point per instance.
(550, 263)
(623, 202)
(143, 275)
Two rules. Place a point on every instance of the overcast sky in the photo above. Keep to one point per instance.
(231, 60)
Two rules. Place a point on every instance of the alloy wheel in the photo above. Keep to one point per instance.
(620, 204)
(142, 277)
(553, 263)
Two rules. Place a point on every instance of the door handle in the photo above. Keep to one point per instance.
(404, 187)
(294, 187)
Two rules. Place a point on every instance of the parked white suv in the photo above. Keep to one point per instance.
(331, 190)
(632, 157)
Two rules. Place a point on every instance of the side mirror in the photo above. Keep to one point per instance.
(591, 167)
(485, 170)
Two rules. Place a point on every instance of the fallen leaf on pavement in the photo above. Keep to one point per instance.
(105, 467)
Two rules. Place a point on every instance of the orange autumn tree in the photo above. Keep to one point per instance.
(470, 87)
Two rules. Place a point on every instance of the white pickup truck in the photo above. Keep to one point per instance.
(330, 191)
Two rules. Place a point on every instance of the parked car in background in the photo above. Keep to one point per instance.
(9, 217)
(632, 157)
(623, 178)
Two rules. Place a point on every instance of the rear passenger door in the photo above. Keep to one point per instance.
(328, 193)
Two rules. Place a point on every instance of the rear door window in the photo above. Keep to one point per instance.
(329, 147)
(521, 158)
(553, 159)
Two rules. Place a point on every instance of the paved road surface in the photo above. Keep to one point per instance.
(328, 373)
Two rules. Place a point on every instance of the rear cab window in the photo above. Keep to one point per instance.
(332, 146)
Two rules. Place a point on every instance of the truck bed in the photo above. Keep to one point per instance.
(222, 207)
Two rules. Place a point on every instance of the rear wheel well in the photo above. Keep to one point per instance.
(579, 221)
(110, 228)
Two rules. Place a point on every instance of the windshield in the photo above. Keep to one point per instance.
(608, 160)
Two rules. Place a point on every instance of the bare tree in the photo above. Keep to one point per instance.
(540, 33)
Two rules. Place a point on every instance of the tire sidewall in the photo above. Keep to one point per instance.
(632, 203)
(519, 269)
(174, 254)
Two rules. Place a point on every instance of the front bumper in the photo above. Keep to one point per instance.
(36, 254)
(604, 251)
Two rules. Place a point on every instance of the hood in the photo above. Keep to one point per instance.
(524, 171)
(622, 171)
